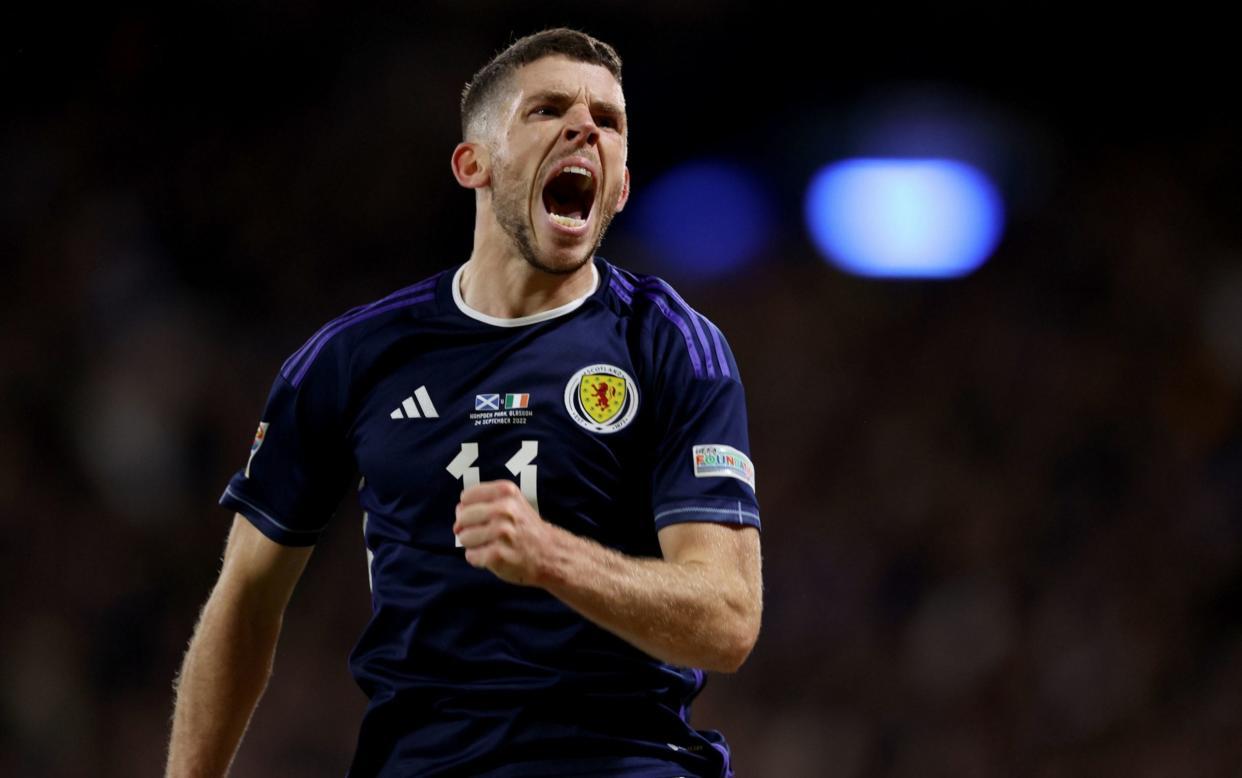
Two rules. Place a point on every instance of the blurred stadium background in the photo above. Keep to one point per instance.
(1003, 511)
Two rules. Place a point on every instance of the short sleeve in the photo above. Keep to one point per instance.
(703, 470)
(299, 465)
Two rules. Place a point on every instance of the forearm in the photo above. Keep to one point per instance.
(684, 613)
(222, 677)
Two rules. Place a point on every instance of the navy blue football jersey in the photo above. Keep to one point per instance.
(617, 414)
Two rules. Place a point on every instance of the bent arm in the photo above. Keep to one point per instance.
(230, 657)
(699, 606)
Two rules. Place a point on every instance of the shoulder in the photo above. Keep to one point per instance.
(338, 337)
(674, 328)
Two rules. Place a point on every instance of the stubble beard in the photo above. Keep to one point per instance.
(510, 209)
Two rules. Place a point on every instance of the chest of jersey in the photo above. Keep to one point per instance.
(555, 407)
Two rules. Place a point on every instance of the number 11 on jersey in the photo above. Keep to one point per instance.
(520, 464)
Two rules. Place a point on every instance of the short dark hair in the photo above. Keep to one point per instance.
(559, 41)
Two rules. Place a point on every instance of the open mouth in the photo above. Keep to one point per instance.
(569, 195)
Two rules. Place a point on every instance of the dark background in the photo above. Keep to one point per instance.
(1002, 515)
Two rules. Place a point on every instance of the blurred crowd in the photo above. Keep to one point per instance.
(1002, 515)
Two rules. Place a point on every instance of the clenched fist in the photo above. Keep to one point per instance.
(501, 532)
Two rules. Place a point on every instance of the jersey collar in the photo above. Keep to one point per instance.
(521, 321)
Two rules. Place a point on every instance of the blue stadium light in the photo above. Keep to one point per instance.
(904, 218)
(703, 219)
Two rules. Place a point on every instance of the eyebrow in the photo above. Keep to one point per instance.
(557, 97)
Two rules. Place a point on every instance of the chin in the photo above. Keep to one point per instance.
(563, 259)
(557, 265)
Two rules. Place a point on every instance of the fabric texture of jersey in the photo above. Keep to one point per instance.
(617, 415)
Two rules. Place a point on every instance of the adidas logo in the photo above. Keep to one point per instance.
(411, 406)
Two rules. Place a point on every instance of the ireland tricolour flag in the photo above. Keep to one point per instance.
(517, 400)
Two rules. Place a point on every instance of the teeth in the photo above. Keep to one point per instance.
(567, 221)
(578, 170)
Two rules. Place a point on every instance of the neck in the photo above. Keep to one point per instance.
(498, 281)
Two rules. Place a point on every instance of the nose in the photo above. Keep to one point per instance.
(580, 126)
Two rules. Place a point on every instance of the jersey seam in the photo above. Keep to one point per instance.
(228, 491)
(731, 511)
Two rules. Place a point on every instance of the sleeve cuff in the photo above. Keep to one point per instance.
(263, 521)
(715, 511)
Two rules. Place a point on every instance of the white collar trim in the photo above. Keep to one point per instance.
(521, 321)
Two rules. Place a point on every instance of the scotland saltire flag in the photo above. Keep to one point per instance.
(487, 402)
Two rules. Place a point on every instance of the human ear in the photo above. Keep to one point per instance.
(624, 197)
(471, 165)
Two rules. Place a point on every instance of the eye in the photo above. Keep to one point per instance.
(546, 110)
(608, 122)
